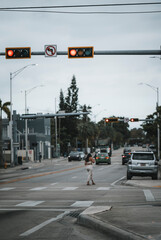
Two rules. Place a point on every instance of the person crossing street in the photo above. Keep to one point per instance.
(89, 161)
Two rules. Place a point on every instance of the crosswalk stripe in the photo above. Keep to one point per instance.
(38, 188)
(148, 195)
(6, 189)
(69, 188)
(103, 188)
(82, 204)
(29, 203)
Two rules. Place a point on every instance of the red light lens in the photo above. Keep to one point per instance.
(10, 53)
(73, 52)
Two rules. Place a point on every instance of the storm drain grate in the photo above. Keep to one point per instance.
(74, 214)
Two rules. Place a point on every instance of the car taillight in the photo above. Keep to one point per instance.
(107, 157)
(97, 157)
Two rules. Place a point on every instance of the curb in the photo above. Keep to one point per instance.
(112, 231)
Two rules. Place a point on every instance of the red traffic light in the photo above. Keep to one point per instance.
(10, 53)
(111, 120)
(13, 53)
(73, 52)
(134, 119)
(80, 52)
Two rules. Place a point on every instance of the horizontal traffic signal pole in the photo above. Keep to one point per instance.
(51, 115)
(102, 52)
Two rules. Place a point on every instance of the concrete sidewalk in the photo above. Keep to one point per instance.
(31, 164)
(127, 222)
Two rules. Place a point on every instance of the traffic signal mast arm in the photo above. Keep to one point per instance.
(103, 52)
(125, 120)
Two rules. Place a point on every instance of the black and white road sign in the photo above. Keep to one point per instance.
(50, 50)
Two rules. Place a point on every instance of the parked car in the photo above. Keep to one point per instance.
(75, 155)
(152, 148)
(142, 164)
(125, 157)
(103, 157)
(82, 154)
(126, 149)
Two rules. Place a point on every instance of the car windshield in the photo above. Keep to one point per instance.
(74, 153)
(103, 151)
(141, 156)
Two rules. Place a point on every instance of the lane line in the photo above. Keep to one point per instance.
(38, 227)
(40, 175)
(148, 195)
(117, 181)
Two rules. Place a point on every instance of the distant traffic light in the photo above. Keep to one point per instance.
(134, 119)
(16, 53)
(111, 120)
(80, 52)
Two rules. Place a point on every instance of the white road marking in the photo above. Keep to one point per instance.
(117, 181)
(53, 184)
(38, 227)
(148, 195)
(6, 189)
(69, 188)
(38, 188)
(74, 177)
(29, 203)
(100, 169)
(82, 204)
(103, 188)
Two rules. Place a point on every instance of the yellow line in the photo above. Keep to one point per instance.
(39, 175)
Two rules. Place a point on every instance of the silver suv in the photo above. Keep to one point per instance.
(142, 164)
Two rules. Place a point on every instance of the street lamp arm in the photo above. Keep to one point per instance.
(14, 74)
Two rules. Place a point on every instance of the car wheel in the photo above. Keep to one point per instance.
(129, 176)
(97, 163)
(123, 163)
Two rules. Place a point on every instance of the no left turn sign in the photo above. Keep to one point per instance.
(50, 50)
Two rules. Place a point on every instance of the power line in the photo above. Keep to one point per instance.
(83, 13)
(83, 6)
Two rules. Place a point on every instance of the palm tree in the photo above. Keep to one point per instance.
(4, 108)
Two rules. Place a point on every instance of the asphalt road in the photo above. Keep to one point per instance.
(44, 202)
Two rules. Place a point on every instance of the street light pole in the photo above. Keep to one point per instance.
(156, 89)
(26, 127)
(13, 75)
(158, 127)
(11, 123)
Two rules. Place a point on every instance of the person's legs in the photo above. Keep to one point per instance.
(91, 177)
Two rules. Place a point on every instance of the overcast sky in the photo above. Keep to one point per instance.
(109, 84)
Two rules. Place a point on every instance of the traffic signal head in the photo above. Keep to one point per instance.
(134, 119)
(111, 120)
(16, 53)
(80, 52)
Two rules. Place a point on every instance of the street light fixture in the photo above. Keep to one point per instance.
(13, 75)
(26, 130)
(156, 89)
